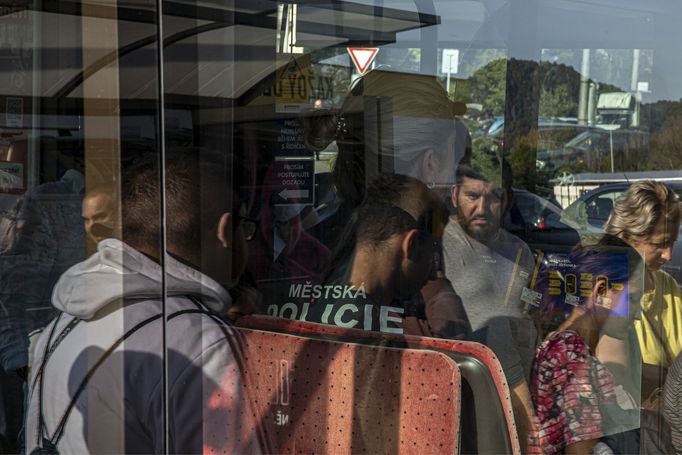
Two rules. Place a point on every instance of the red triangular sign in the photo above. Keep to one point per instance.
(362, 57)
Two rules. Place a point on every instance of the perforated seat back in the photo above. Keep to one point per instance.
(488, 420)
(320, 396)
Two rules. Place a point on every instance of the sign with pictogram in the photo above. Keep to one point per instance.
(362, 57)
(296, 85)
(295, 182)
(292, 83)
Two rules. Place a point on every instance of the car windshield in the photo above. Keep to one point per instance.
(582, 139)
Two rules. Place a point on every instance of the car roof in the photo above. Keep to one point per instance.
(571, 210)
(674, 185)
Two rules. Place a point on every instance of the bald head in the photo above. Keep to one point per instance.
(100, 213)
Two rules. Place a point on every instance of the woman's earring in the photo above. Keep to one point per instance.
(431, 185)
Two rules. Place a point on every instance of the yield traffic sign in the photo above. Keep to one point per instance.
(362, 57)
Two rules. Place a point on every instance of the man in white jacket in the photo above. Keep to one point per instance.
(118, 341)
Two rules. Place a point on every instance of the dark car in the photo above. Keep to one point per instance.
(596, 150)
(496, 129)
(590, 211)
(550, 134)
(537, 221)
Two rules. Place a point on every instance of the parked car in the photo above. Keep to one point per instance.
(550, 135)
(590, 211)
(596, 150)
(537, 221)
(496, 129)
(496, 126)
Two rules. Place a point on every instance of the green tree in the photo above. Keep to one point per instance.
(665, 147)
(488, 87)
(558, 102)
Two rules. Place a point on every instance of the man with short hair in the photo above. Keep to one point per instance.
(488, 266)
(123, 364)
(100, 213)
(40, 238)
(489, 269)
(386, 255)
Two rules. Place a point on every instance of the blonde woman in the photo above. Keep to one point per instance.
(647, 216)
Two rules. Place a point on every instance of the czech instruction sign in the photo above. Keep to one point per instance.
(290, 142)
(362, 57)
(295, 182)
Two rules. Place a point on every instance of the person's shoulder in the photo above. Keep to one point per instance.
(195, 332)
(452, 227)
(454, 233)
(666, 288)
(190, 308)
(506, 238)
(511, 244)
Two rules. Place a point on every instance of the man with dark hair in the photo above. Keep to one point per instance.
(490, 270)
(100, 383)
(387, 253)
(487, 266)
(41, 237)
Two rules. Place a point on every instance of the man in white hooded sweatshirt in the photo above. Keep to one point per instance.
(111, 328)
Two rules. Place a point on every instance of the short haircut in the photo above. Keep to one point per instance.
(199, 187)
(491, 169)
(638, 211)
(108, 189)
(394, 204)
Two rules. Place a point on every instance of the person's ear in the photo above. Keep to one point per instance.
(410, 244)
(600, 293)
(600, 287)
(429, 168)
(224, 234)
(454, 193)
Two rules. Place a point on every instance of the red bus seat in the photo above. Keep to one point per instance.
(320, 396)
(487, 417)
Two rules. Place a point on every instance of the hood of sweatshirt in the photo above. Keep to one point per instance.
(117, 269)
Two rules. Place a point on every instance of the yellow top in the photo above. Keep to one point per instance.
(660, 328)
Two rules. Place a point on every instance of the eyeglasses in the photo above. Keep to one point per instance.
(249, 226)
